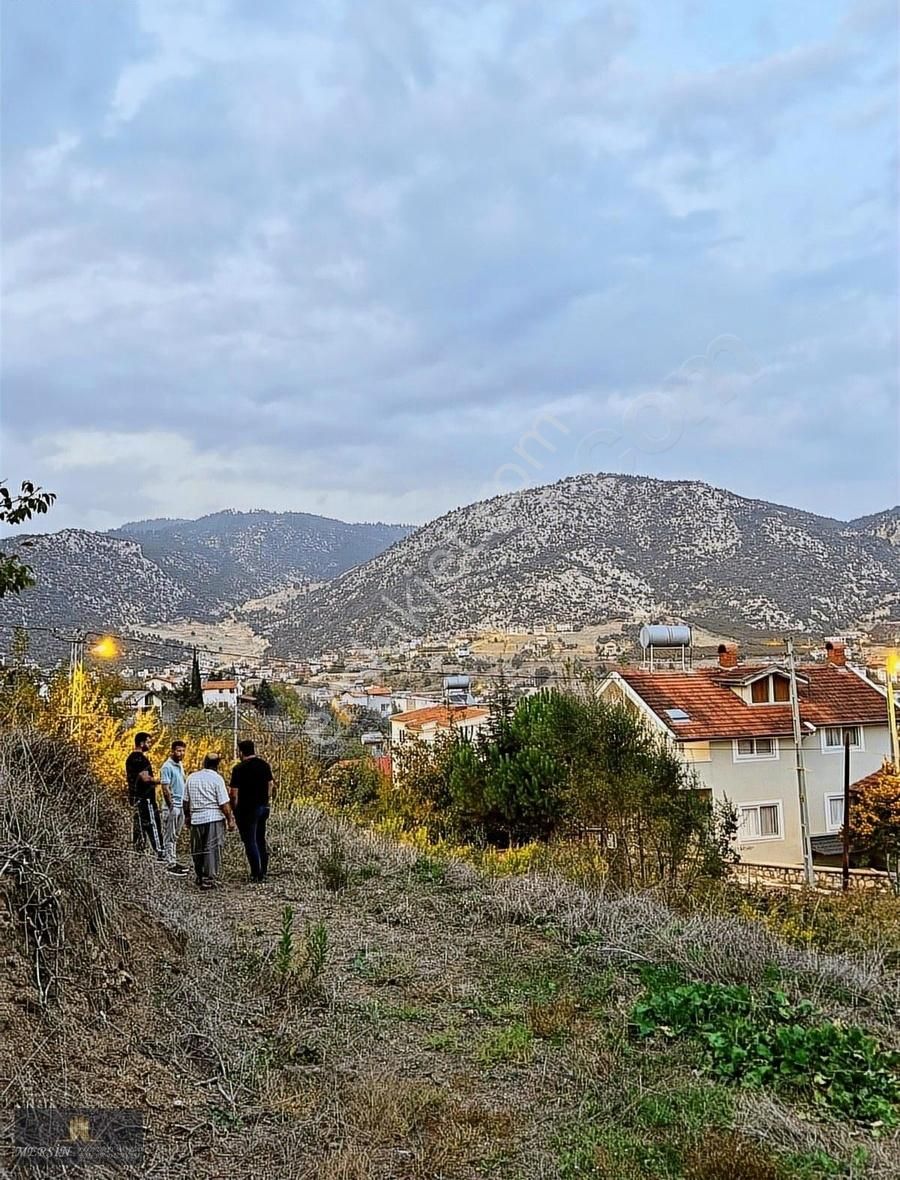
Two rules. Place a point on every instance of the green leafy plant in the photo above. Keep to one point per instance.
(765, 1039)
(299, 967)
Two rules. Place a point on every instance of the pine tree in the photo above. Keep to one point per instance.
(266, 701)
(195, 695)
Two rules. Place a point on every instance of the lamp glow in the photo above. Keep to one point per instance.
(105, 648)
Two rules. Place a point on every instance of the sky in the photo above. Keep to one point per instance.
(379, 259)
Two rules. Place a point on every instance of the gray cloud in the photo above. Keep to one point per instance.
(360, 247)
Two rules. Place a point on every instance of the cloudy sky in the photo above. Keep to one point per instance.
(379, 258)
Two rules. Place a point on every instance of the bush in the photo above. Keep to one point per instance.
(550, 766)
(764, 1039)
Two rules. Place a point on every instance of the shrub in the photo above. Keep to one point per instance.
(333, 866)
(764, 1039)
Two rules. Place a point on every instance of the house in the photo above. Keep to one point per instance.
(160, 684)
(426, 724)
(733, 724)
(220, 692)
(375, 698)
(138, 700)
(406, 702)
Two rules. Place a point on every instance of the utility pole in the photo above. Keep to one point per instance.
(845, 830)
(237, 697)
(890, 668)
(76, 681)
(808, 875)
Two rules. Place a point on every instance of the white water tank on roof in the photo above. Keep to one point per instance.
(658, 636)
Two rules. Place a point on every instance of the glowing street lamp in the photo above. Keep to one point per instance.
(106, 648)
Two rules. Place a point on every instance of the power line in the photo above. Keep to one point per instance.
(138, 644)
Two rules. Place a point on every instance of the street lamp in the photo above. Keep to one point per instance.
(106, 648)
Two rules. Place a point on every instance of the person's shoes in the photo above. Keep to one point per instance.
(161, 857)
(257, 880)
(207, 884)
(177, 870)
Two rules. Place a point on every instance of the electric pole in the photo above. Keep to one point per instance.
(808, 875)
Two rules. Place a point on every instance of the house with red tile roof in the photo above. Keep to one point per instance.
(426, 724)
(732, 722)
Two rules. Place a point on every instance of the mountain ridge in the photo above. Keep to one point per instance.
(588, 548)
(597, 546)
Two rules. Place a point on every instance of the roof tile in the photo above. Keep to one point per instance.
(832, 696)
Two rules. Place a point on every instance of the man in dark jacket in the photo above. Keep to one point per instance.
(252, 791)
(142, 786)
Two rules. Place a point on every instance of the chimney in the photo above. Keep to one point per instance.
(835, 652)
(729, 654)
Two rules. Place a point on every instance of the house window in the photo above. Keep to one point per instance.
(834, 813)
(746, 749)
(833, 737)
(769, 689)
(760, 821)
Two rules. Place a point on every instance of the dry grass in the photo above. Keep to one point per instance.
(459, 1023)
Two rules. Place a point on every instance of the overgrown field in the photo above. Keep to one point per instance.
(378, 1011)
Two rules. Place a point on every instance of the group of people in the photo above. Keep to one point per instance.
(201, 802)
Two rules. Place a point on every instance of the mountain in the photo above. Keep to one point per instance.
(595, 547)
(882, 524)
(229, 557)
(156, 571)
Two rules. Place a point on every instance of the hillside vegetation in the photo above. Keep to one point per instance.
(596, 547)
(378, 1011)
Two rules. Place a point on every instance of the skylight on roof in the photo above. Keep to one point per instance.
(677, 715)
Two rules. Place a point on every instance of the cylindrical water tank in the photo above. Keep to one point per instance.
(658, 636)
(457, 681)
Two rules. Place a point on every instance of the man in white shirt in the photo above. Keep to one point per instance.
(208, 811)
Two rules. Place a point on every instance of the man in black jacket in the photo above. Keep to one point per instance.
(252, 790)
(142, 786)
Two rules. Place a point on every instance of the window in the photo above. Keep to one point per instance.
(760, 821)
(747, 748)
(833, 737)
(769, 689)
(834, 813)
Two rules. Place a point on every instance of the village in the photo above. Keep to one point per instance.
(726, 707)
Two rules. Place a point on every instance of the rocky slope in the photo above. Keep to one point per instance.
(155, 571)
(595, 547)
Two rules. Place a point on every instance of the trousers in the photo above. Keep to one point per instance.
(145, 826)
(252, 827)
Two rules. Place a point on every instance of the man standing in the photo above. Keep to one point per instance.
(142, 797)
(252, 790)
(208, 812)
(172, 781)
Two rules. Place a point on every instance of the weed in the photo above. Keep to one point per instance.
(407, 1013)
(764, 1039)
(552, 1019)
(695, 1108)
(333, 866)
(448, 1041)
(514, 1042)
(299, 967)
(382, 969)
(727, 1155)
(427, 870)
